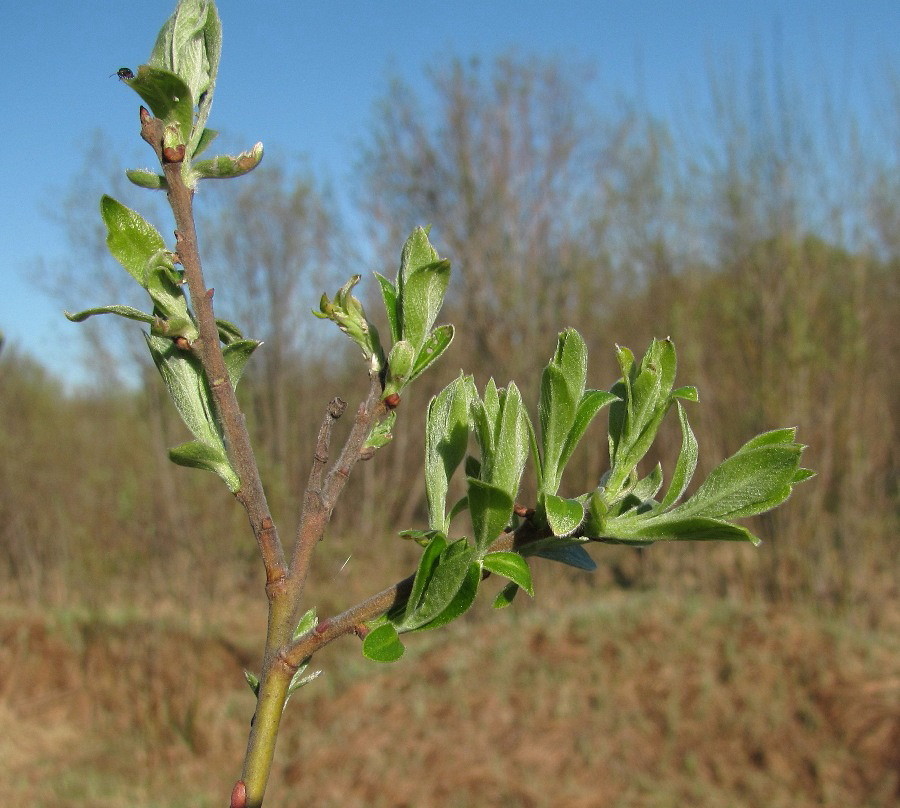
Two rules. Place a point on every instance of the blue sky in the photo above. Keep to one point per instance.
(303, 76)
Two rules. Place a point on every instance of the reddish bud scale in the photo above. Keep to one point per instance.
(392, 401)
(174, 154)
(239, 795)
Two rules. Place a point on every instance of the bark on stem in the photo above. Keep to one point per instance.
(251, 494)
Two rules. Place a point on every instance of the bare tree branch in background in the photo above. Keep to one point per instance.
(276, 239)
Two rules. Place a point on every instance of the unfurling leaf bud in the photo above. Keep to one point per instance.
(226, 167)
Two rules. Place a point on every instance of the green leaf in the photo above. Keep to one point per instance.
(511, 449)
(186, 382)
(144, 178)
(168, 97)
(427, 564)
(591, 403)
(491, 508)
(686, 463)
(749, 482)
(557, 408)
(461, 601)
(228, 332)
(128, 312)
(131, 239)
(391, 306)
(400, 364)
(382, 644)
(773, 437)
(227, 167)
(417, 252)
(207, 136)
(189, 44)
(647, 488)
(447, 578)
(236, 355)
(197, 455)
(422, 297)
(253, 681)
(506, 596)
(307, 623)
(436, 343)
(571, 554)
(668, 527)
(380, 434)
(563, 515)
(446, 440)
(299, 680)
(512, 566)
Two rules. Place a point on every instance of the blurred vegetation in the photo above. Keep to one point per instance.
(775, 273)
(769, 253)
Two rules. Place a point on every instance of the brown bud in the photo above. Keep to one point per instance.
(392, 401)
(146, 117)
(174, 154)
(182, 344)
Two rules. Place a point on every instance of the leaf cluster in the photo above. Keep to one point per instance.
(141, 250)
(623, 508)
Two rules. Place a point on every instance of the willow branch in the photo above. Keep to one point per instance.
(240, 452)
(324, 489)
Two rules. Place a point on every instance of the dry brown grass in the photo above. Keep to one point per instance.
(636, 700)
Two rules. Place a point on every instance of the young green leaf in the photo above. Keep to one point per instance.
(573, 555)
(131, 239)
(236, 355)
(446, 440)
(197, 455)
(461, 601)
(512, 566)
(751, 481)
(144, 178)
(446, 578)
(168, 97)
(590, 405)
(391, 306)
(382, 644)
(563, 515)
(417, 252)
(435, 344)
(380, 434)
(427, 564)
(668, 527)
(506, 596)
(306, 623)
(491, 508)
(511, 449)
(228, 167)
(129, 312)
(423, 295)
(253, 681)
(686, 463)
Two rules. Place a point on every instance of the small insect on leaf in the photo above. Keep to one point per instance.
(124, 74)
